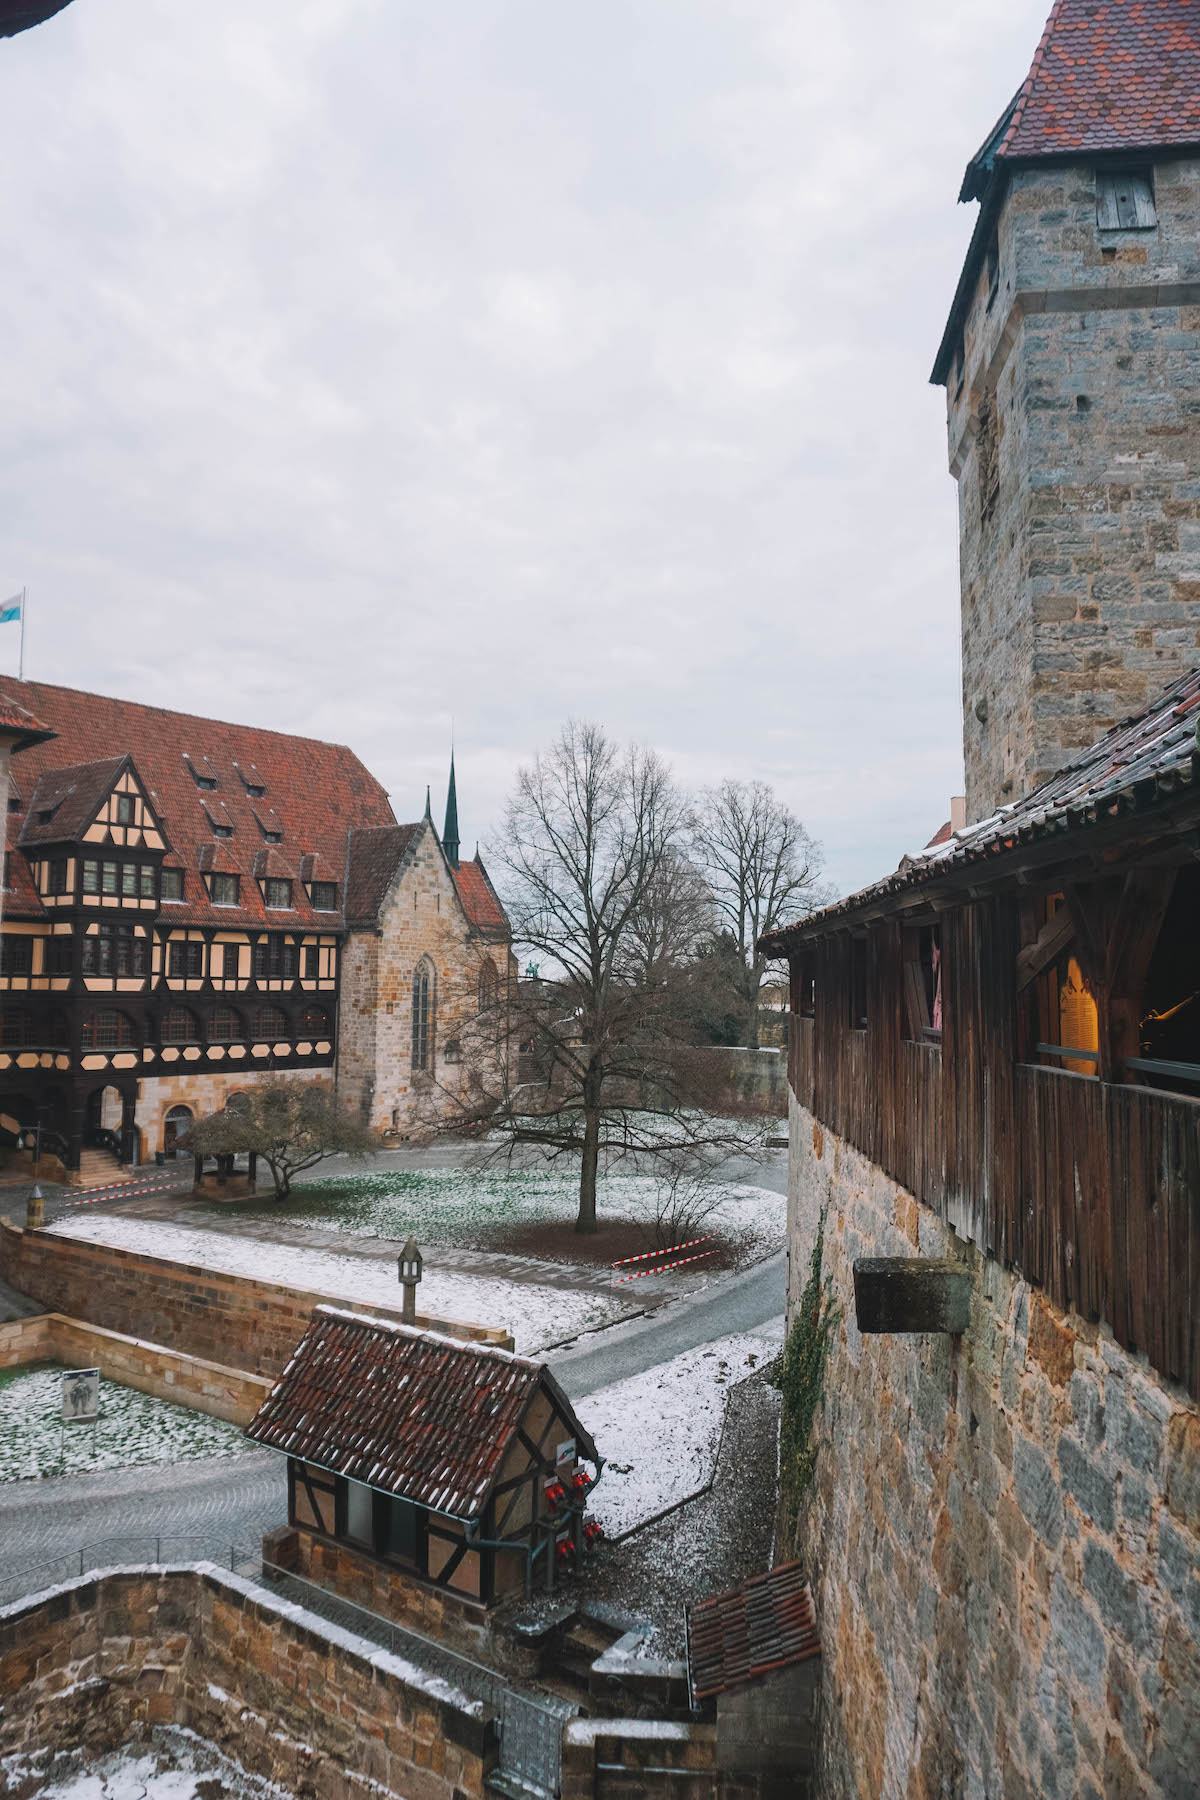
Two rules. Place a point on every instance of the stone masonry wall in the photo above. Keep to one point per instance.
(207, 1387)
(421, 918)
(1004, 1532)
(1081, 591)
(102, 1660)
(231, 1319)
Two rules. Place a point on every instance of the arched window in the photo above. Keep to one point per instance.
(269, 1022)
(314, 1022)
(226, 1026)
(488, 987)
(424, 1010)
(180, 1026)
(106, 1030)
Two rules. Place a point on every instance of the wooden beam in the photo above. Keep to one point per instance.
(1047, 947)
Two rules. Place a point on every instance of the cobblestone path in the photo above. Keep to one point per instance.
(230, 1500)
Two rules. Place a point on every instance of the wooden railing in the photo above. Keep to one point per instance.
(1090, 1190)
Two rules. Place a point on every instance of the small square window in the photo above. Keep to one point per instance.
(172, 883)
(324, 896)
(223, 831)
(1125, 201)
(277, 893)
(224, 889)
(14, 803)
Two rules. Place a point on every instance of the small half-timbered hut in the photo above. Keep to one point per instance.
(428, 1479)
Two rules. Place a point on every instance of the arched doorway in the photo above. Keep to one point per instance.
(109, 1122)
(177, 1124)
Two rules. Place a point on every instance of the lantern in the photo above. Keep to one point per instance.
(409, 1265)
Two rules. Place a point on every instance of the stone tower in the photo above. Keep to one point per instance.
(1071, 362)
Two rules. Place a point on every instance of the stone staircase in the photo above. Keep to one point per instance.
(99, 1168)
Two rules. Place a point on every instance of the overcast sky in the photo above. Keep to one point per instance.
(369, 363)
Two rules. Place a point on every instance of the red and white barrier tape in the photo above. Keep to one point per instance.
(668, 1250)
(639, 1274)
(129, 1188)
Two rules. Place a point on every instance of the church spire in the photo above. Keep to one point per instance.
(450, 830)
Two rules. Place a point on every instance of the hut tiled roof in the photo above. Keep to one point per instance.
(320, 791)
(1110, 75)
(406, 1411)
(766, 1623)
(372, 861)
(1147, 762)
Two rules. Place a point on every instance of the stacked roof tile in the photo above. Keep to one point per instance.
(766, 1623)
(1110, 75)
(406, 1411)
(233, 798)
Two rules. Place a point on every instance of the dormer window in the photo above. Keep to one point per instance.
(277, 894)
(202, 777)
(1125, 200)
(253, 783)
(15, 803)
(324, 896)
(46, 814)
(222, 831)
(223, 889)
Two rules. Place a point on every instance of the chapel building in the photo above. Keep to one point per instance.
(191, 904)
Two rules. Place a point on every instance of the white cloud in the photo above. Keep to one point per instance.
(371, 363)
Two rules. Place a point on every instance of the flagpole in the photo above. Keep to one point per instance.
(21, 651)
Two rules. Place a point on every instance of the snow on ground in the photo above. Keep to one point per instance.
(133, 1429)
(175, 1765)
(659, 1431)
(464, 1207)
(535, 1315)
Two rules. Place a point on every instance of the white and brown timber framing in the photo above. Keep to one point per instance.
(180, 894)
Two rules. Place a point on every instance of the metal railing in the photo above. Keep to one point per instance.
(124, 1552)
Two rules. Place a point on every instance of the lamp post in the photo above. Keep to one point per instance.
(409, 1265)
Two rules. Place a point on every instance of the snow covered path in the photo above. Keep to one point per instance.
(536, 1315)
(659, 1431)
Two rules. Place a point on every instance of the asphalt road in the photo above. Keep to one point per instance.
(738, 1303)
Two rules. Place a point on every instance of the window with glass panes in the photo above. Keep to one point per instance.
(16, 954)
(223, 889)
(185, 957)
(277, 894)
(324, 896)
(180, 1026)
(172, 884)
(275, 958)
(106, 1030)
(115, 949)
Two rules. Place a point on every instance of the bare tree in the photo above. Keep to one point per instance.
(763, 869)
(592, 863)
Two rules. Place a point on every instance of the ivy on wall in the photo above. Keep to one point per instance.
(801, 1383)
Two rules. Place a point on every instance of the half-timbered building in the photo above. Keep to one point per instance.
(190, 904)
(428, 1479)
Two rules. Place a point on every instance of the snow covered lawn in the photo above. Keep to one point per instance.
(133, 1428)
(659, 1431)
(535, 1315)
(465, 1208)
(178, 1765)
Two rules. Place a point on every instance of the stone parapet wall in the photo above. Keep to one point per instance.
(228, 1319)
(207, 1387)
(1004, 1533)
(102, 1660)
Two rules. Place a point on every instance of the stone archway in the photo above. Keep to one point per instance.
(177, 1124)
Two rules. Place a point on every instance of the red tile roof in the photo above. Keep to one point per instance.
(16, 718)
(766, 1623)
(320, 791)
(1110, 75)
(481, 903)
(373, 859)
(1144, 763)
(406, 1411)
